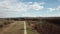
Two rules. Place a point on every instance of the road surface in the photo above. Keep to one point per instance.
(25, 30)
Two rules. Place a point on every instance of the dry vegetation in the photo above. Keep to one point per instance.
(45, 26)
(42, 26)
(4, 22)
(9, 26)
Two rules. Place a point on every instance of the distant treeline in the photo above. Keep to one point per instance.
(55, 20)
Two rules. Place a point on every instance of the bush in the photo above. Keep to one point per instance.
(44, 27)
(5, 22)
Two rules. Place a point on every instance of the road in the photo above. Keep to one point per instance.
(14, 28)
(18, 27)
(25, 30)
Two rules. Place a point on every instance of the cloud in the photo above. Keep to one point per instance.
(7, 5)
(50, 15)
(13, 8)
(36, 6)
(58, 8)
(51, 9)
(19, 6)
(28, 15)
(54, 9)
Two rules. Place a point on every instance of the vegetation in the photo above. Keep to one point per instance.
(30, 30)
(46, 25)
(35, 25)
(5, 22)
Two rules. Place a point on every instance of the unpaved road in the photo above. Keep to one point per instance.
(14, 28)
(18, 27)
(25, 28)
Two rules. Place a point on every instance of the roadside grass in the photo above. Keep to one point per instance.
(5, 22)
(30, 30)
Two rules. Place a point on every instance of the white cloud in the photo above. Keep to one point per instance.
(36, 6)
(54, 9)
(28, 15)
(9, 8)
(21, 6)
(7, 5)
(51, 9)
(50, 15)
(58, 8)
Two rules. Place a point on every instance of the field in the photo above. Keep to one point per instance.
(15, 27)
(30, 26)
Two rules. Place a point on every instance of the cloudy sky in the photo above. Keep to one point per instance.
(29, 8)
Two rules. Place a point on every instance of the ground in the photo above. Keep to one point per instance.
(13, 28)
(17, 28)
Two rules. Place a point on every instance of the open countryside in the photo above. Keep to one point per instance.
(30, 25)
(8, 26)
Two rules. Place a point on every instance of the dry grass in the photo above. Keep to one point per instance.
(44, 27)
(4, 22)
(30, 30)
(14, 28)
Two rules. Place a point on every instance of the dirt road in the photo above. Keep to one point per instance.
(25, 28)
(14, 28)
(18, 27)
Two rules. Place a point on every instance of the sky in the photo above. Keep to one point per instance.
(29, 8)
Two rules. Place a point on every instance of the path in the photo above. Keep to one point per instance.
(25, 30)
(14, 28)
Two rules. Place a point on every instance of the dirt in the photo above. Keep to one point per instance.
(13, 28)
